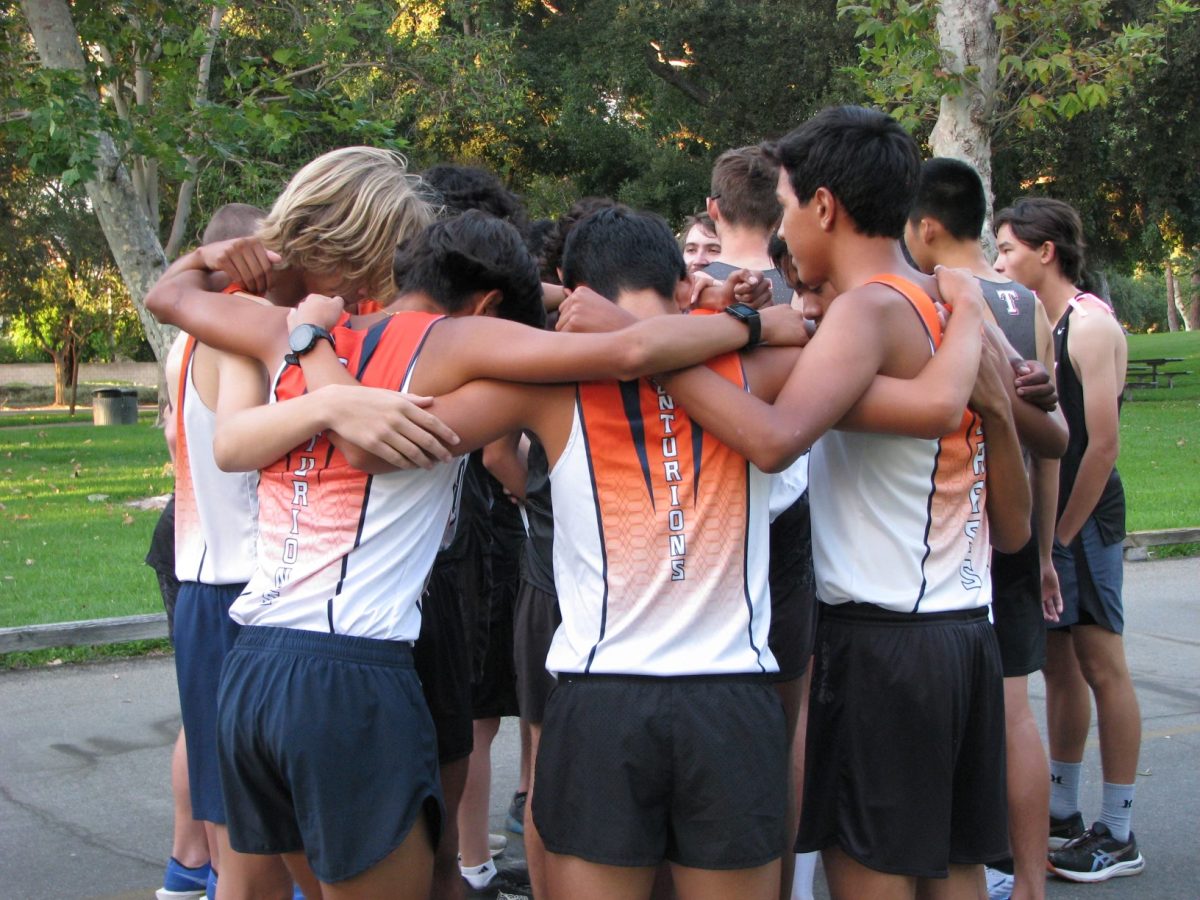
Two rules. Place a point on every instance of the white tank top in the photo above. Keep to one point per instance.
(660, 541)
(900, 522)
(341, 551)
(216, 512)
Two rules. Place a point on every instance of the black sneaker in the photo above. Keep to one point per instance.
(515, 822)
(1097, 856)
(1064, 830)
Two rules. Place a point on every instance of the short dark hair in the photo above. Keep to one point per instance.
(556, 239)
(863, 157)
(471, 187)
(743, 184)
(777, 252)
(233, 220)
(951, 192)
(619, 249)
(1035, 220)
(454, 259)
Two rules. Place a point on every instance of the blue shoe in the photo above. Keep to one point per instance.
(297, 894)
(182, 883)
(516, 813)
(211, 888)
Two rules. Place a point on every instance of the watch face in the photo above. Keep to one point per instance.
(302, 338)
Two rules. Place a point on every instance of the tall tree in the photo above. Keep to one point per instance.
(983, 67)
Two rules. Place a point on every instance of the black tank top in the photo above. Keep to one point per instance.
(1110, 509)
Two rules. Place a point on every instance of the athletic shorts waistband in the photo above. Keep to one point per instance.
(869, 612)
(728, 678)
(370, 651)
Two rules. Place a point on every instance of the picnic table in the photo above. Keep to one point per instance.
(1146, 372)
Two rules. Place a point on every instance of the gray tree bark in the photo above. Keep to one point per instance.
(131, 237)
(1172, 293)
(967, 36)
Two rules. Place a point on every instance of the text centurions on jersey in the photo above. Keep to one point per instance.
(660, 540)
(341, 551)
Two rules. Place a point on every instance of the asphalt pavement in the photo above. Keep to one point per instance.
(85, 802)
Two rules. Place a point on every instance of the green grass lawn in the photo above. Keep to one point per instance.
(1160, 439)
(64, 557)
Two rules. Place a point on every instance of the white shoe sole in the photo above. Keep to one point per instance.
(1121, 869)
(164, 894)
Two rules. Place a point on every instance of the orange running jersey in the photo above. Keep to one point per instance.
(216, 512)
(660, 540)
(900, 522)
(341, 551)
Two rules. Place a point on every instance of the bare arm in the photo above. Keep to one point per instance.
(478, 347)
(189, 296)
(507, 460)
(1008, 499)
(1045, 507)
(1043, 432)
(833, 372)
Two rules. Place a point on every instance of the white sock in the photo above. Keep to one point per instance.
(802, 880)
(1116, 809)
(480, 876)
(1064, 788)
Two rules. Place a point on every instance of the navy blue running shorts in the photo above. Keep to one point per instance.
(326, 746)
(204, 634)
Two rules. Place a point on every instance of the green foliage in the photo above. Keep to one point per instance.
(1140, 301)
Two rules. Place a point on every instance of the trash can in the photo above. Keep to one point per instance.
(114, 406)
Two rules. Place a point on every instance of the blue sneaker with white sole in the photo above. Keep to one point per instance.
(182, 883)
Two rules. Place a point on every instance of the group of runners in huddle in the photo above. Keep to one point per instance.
(381, 448)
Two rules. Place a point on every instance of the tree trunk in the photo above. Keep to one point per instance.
(967, 36)
(1172, 288)
(130, 236)
(1193, 310)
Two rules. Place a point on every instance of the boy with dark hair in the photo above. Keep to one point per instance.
(744, 209)
(1040, 242)
(905, 751)
(943, 228)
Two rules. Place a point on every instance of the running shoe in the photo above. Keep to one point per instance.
(1064, 830)
(1097, 856)
(182, 883)
(512, 880)
(999, 884)
(516, 813)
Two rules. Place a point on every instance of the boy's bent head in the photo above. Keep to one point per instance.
(951, 192)
(1036, 221)
(233, 220)
(469, 187)
(457, 260)
(743, 188)
(344, 214)
(863, 157)
(617, 249)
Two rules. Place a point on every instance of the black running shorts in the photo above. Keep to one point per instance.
(905, 765)
(633, 770)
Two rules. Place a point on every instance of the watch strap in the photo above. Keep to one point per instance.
(749, 315)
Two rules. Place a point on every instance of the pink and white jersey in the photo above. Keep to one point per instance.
(341, 551)
(900, 522)
(216, 512)
(660, 541)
